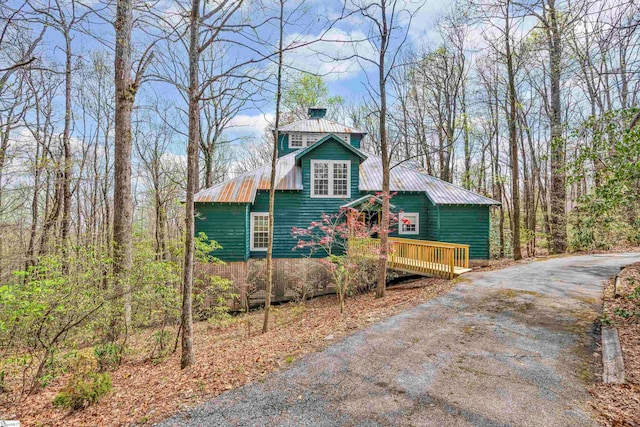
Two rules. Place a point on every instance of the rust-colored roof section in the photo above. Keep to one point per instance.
(242, 189)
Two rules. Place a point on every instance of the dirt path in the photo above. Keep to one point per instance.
(505, 347)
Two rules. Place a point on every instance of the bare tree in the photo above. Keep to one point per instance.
(274, 161)
(513, 137)
(126, 88)
(387, 37)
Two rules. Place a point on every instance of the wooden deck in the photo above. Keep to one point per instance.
(427, 258)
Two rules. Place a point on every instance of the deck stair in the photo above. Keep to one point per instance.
(423, 257)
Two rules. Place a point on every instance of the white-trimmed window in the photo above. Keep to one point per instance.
(330, 178)
(301, 139)
(259, 231)
(312, 138)
(409, 223)
(296, 140)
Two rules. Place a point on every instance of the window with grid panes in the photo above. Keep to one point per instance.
(340, 179)
(409, 223)
(259, 231)
(330, 178)
(295, 140)
(320, 179)
(312, 138)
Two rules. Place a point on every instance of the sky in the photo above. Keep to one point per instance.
(346, 78)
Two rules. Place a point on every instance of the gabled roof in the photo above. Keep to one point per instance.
(349, 147)
(243, 188)
(318, 126)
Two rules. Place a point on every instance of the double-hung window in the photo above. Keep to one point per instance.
(312, 138)
(330, 178)
(259, 231)
(409, 223)
(296, 140)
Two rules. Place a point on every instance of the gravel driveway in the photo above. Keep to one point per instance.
(506, 347)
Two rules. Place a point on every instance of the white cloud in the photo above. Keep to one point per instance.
(250, 124)
(333, 57)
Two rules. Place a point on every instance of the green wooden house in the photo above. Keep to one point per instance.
(320, 169)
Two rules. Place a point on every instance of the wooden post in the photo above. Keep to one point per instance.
(450, 251)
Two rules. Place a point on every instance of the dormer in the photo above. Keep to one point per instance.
(304, 133)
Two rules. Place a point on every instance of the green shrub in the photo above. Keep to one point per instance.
(622, 312)
(86, 386)
(108, 356)
(85, 392)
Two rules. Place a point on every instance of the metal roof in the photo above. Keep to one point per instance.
(318, 126)
(415, 178)
(243, 188)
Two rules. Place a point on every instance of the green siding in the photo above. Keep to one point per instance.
(331, 150)
(283, 143)
(466, 225)
(433, 221)
(228, 224)
(410, 203)
(298, 208)
(356, 139)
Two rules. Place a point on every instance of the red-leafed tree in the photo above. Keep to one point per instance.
(351, 251)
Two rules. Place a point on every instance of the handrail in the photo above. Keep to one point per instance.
(428, 242)
(422, 256)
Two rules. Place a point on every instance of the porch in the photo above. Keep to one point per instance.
(427, 258)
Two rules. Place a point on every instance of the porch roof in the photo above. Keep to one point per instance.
(367, 198)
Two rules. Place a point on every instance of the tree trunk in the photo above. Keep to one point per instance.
(66, 142)
(558, 181)
(513, 144)
(272, 180)
(122, 204)
(384, 154)
(466, 182)
(31, 249)
(188, 357)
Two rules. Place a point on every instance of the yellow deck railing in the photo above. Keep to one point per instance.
(419, 256)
